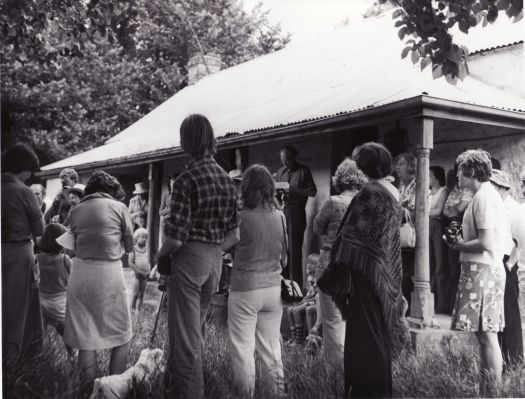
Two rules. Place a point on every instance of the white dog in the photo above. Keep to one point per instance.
(119, 386)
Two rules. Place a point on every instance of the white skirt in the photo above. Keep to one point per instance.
(53, 307)
(97, 311)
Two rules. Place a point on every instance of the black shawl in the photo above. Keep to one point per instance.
(368, 243)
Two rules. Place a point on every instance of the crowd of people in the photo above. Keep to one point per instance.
(357, 289)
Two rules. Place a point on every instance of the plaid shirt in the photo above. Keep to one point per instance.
(203, 204)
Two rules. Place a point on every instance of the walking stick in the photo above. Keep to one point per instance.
(156, 320)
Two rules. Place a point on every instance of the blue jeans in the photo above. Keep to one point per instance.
(193, 279)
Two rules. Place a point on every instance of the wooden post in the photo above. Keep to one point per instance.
(154, 194)
(241, 158)
(422, 300)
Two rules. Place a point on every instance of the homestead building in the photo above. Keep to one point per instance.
(326, 97)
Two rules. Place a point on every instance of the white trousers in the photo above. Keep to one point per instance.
(334, 326)
(254, 320)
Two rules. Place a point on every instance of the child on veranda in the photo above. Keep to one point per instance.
(139, 263)
(306, 309)
(54, 267)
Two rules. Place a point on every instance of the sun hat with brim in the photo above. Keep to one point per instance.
(500, 178)
(235, 174)
(77, 189)
(140, 188)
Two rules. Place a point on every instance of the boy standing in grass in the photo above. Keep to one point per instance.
(139, 262)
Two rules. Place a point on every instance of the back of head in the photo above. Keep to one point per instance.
(102, 182)
(439, 174)
(374, 160)
(475, 164)
(196, 136)
(20, 158)
(258, 188)
(348, 176)
(48, 243)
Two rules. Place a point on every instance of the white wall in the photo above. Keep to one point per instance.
(502, 68)
(315, 152)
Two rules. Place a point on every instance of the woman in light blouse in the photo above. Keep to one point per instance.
(479, 303)
(405, 167)
(97, 311)
(347, 180)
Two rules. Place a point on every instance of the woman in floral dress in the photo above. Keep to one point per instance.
(479, 301)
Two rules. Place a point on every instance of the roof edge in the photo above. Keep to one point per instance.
(419, 106)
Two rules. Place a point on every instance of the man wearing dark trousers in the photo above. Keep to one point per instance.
(302, 186)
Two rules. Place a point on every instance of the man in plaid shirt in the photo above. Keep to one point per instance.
(202, 222)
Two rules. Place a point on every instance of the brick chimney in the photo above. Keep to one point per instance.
(201, 65)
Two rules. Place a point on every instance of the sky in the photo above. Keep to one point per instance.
(305, 19)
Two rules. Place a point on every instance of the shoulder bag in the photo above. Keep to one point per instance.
(407, 234)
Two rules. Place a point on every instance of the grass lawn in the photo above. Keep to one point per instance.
(52, 374)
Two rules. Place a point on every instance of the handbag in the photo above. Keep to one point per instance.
(290, 291)
(407, 233)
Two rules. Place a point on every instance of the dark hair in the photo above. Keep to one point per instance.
(69, 172)
(258, 187)
(290, 149)
(452, 178)
(495, 163)
(196, 136)
(411, 161)
(49, 244)
(102, 182)
(374, 160)
(475, 164)
(20, 158)
(439, 174)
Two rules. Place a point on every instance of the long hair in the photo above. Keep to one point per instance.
(258, 188)
(196, 137)
(48, 244)
(411, 161)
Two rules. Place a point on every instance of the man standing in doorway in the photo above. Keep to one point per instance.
(302, 186)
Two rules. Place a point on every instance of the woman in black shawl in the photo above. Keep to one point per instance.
(364, 277)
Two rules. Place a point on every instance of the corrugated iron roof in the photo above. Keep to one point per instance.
(350, 69)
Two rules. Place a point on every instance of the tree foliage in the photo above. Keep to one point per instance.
(425, 26)
(74, 73)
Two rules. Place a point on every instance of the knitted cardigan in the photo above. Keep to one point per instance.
(368, 243)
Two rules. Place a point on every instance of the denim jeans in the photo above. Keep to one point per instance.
(194, 275)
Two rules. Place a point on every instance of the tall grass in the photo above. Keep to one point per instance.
(51, 374)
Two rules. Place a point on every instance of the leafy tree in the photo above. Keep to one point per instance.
(131, 57)
(425, 25)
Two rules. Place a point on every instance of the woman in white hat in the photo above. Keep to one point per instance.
(138, 206)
